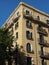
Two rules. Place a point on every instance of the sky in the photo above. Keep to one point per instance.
(8, 6)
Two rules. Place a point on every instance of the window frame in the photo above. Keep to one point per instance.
(29, 35)
(16, 25)
(16, 35)
(27, 12)
(29, 47)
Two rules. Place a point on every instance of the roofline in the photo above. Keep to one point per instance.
(31, 7)
(22, 3)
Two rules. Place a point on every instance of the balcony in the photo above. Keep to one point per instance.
(45, 55)
(35, 20)
(11, 32)
(44, 43)
(16, 18)
(29, 26)
(40, 22)
(42, 31)
(28, 16)
(9, 25)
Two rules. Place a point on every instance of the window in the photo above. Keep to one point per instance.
(41, 39)
(16, 25)
(31, 35)
(44, 62)
(28, 24)
(42, 51)
(11, 31)
(47, 21)
(29, 61)
(16, 34)
(40, 26)
(48, 24)
(38, 18)
(17, 13)
(28, 35)
(29, 47)
(16, 48)
(27, 12)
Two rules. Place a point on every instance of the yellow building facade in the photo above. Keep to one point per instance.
(30, 28)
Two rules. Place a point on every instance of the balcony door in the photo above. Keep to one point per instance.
(41, 39)
(28, 60)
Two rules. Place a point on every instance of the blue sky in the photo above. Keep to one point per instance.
(8, 6)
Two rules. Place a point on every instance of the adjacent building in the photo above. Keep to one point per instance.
(30, 28)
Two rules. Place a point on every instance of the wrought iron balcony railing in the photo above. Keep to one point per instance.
(9, 25)
(42, 31)
(44, 43)
(28, 16)
(45, 55)
(35, 20)
(16, 18)
(29, 26)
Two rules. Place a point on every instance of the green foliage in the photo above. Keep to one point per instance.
(6, 41)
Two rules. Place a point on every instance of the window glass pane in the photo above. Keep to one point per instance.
(17, 13)
(27, 12)
(47, 21)
(42, 61)
(41, 38)
(42, 50)
(16, 25)
(38, 18)
(28, 47)
(31, 35)
(40, 27)
(45, 63)
(16, 34)
(28, 24)
(28, 35)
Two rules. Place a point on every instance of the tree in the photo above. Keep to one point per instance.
(19, 56)
(6, 41)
